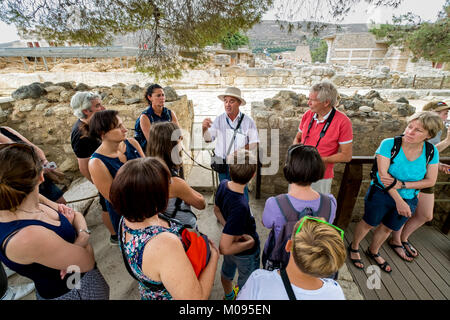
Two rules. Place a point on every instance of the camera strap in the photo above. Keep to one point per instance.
(325, 127)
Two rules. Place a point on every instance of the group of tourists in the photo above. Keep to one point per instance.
(147, 206)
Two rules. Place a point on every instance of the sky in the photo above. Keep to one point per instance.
(363, 13)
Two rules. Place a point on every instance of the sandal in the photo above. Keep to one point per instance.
(383, 266)
(407, 254)
(354, 261)
(410, 249)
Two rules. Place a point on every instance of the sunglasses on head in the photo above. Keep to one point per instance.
(320, 221)
(23, 146)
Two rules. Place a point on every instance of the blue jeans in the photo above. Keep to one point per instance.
(245, 265)
(227, 176)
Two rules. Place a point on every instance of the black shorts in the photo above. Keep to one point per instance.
(102, 202)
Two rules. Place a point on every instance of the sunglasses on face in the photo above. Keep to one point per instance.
(320, 221)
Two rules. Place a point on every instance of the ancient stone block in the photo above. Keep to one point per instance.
(222, 59)
(33, 90)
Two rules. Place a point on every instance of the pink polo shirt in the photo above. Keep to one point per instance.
(339, 132)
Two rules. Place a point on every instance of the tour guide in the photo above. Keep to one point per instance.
(232, 130)
(327, 129)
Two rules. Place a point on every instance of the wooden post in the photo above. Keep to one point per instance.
(348, 192)
(258, 175)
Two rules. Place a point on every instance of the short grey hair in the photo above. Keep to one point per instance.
(326, 92)
(82, 101)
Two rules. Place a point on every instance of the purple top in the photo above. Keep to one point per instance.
(273, 218)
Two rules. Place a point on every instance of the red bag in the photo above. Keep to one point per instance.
(197, 248)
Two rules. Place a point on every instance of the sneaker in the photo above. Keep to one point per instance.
(114, 240)
(18, 292)
(235, 293)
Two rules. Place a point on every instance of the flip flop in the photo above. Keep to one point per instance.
(410, 249)
(354, 261)
(383, 266)
(395, 246)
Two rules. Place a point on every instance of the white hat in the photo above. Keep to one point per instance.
(232, 92)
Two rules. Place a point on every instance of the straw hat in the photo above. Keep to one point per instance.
(435, 106)
(232, 92)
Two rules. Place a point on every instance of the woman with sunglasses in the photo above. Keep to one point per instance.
(392, 196)
(425, 205)
(39, 243)
(165, 143)
(317, 250)
(115, 150)
(303, 167)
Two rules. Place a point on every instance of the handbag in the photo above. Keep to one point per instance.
(219, 164)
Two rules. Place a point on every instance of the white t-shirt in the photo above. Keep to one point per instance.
(268, 285)
(222, 131)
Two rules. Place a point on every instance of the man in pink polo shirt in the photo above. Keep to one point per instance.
(334, 143)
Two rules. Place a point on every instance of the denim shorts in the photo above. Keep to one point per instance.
(381, 208)
(245, 265)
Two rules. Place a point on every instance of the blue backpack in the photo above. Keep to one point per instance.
(275, 256)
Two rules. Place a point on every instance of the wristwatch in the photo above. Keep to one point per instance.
(403, 185)
(84, 230)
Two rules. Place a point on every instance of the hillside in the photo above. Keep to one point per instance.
(268, 34)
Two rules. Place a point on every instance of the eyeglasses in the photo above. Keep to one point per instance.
(321, 221)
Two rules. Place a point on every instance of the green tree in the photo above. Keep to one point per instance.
(427, 40)
(232, 41)
(319, 54)
(175, 31)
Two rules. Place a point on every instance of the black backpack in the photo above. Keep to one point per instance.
(276, 257)
(429, 153)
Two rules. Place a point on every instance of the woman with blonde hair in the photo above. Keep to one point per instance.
(392, 196)
(425, 205)
(317, 250)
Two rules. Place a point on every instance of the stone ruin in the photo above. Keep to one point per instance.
(41, 112)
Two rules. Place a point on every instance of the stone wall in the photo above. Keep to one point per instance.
(373, 119)
(283, 73)
(41, 112)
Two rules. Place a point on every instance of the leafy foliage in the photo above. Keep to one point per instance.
(318, 51)
(430, 41)
(166, 27)
(232, 41)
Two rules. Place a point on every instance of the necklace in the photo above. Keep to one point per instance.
(35, 211)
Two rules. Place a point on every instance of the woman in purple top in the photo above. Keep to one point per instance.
(303, 167)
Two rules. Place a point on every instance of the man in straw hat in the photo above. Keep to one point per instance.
(232, 130)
